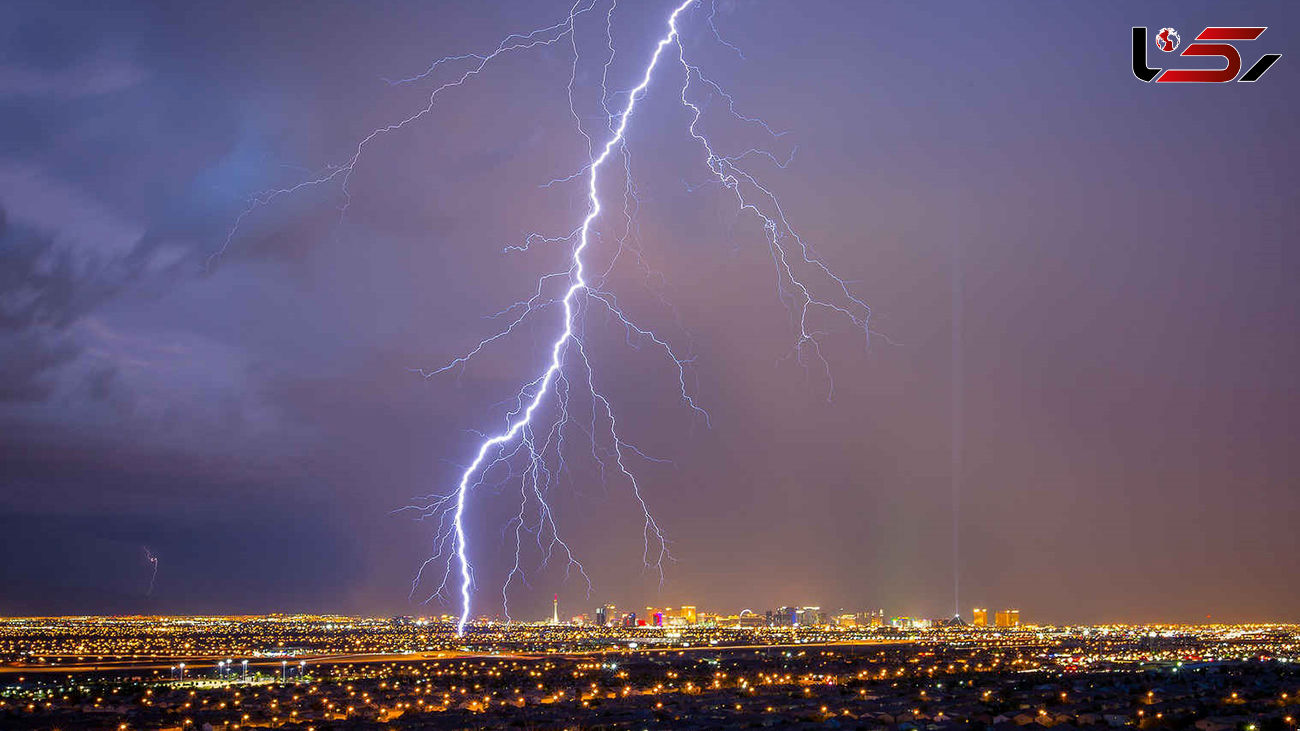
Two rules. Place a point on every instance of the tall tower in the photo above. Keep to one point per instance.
(606, 615)
(555, 610)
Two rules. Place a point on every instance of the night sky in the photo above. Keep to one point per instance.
(1129, 309)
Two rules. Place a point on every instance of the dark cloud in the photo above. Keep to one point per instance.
(43, 285)
(25, 360)
(104, 73)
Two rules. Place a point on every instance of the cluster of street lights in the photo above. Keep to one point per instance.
(284, 669)
(224, 670)
(223, 667)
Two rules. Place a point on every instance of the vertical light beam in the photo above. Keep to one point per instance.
(958, 425)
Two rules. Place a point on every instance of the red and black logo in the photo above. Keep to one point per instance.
(1167, 40)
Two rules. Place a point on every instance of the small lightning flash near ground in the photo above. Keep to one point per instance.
(152, 561)
(530, 447)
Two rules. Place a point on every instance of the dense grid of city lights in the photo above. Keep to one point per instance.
(317, 671)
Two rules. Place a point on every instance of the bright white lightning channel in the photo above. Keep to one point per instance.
(794, 266)
(579, 284)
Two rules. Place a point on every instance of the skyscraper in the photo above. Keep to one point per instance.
(808, 616)
(606, 615)
(1008, 618)
(980, 617)
(666, 616)
(785, 617)
(555, 610)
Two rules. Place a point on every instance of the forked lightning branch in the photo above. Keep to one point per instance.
(529, 446)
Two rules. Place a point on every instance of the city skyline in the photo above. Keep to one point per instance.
(308, 672)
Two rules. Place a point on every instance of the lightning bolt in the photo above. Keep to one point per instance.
(526, 437)
(151, 559)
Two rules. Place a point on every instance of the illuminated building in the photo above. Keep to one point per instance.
(605, 615)
(668, 617)
(1008, 618)
(785, 617)
(808, 617)
(980, 617)
(555, 610)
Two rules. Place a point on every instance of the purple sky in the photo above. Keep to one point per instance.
(1129, 309)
